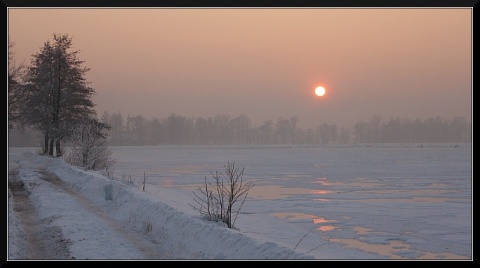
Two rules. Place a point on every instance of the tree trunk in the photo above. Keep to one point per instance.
(50, 147)
(45, 148)
(58, 148)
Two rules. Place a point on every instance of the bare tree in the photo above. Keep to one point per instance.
(223, 199)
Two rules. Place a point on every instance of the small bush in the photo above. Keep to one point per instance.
(222, 199)
(90, 149)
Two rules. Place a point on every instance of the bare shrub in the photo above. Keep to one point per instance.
(222, 199)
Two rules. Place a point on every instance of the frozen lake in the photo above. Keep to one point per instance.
(393, 201)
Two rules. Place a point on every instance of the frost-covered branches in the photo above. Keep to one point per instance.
(15, 73)
(89, 146)
(57, 95)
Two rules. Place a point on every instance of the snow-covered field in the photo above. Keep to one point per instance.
(372, 201)
(347, 202)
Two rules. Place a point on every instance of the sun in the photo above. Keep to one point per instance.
(320, 91)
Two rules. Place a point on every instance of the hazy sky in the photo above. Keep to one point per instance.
(265, 63)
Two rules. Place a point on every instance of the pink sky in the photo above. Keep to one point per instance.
(265, 63)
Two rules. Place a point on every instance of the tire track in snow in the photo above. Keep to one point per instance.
(43, 240)
(149, 249)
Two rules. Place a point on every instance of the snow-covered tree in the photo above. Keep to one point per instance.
(14, 84)
(59, 97)
(90, 148)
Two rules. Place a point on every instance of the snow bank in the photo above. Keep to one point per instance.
(190, 237)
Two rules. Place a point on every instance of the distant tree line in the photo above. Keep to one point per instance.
(226, 130)
(398, 130)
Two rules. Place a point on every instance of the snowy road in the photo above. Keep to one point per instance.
(47, 237)
(42, 240)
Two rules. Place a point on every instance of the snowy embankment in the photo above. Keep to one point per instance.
(187, 236)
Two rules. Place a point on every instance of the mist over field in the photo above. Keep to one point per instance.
(265, 63)
(226, 130)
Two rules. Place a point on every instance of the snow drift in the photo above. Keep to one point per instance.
(190, 237)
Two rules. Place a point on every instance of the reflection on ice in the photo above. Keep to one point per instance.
(322, 227)
(321, 192)
(295, 216)
(321, 199)
(321, 220)
(325, 228)
(274, 192)
(323, 181)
